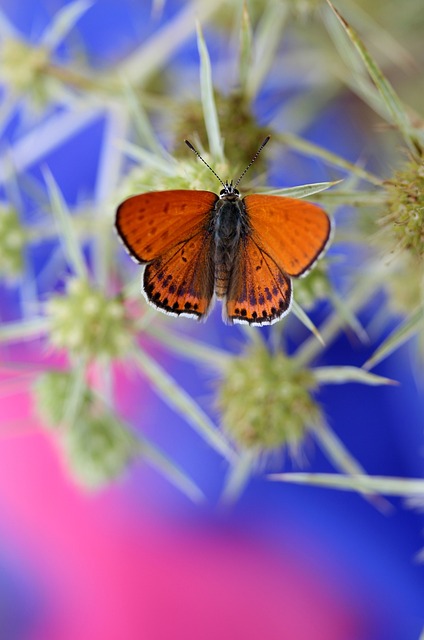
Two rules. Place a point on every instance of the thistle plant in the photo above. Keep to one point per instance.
(31, 71)
(96, 445)
(400, 239)
(12, 242)
(86, 323)
(265, 400)
(87, 307)
(23, 68)
(405, 202)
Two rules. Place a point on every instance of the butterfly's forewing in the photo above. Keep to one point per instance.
(258, 291)
(151, 224)
(181, 281)
(169, 230)
(294, 232)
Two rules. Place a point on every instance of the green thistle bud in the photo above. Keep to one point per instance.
(98, 449)
(96, 445)
(23, 67)
(51, 394)
(404, 222)
(401, 237)
(12, 242)
(266, 400)
(86, 322)
(189, 173)
(235, 115)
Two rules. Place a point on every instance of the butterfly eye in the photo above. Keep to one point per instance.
(229, 190)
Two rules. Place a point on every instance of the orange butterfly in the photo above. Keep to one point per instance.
(196, 245)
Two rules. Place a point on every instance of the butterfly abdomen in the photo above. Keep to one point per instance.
(230, 226)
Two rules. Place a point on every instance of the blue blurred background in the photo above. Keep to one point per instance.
(138, 560)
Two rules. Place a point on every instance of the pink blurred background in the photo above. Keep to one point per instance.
(138, 561)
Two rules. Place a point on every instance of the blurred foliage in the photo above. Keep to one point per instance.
(276, 68)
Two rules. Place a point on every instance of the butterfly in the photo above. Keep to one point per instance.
(197, 245)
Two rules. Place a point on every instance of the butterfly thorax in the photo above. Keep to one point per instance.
(230, 226)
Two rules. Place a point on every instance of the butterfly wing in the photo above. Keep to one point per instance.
(258, 291)
(150, 224)
(293, 232)
(169, 230)
(181, 281)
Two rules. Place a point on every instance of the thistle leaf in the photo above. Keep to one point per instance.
(210, 113)
(306, 321)
(238, 477)
(343, 460)
(348, 317)
(179, 400)
(188, 347)
(143, 127)
(342, 375)
(246, 54)
(170, 471)
(267, 41)
(389, 97)
(154, 160)
(303, 191)
(353, 198)
(314, 150)
(24, 330)
(63, 22)
(396, 339)
(389, 486)
(77, 394)
(68, 236)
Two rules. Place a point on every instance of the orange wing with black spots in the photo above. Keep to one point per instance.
(151, 224)
(258, 291)
(293, 232)
(181, 281)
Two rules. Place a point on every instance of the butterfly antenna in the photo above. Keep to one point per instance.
(190, 146)
(253, 160)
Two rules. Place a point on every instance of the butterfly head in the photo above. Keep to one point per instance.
(229, 192)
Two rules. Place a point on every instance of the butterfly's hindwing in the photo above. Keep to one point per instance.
(259, 293)
(181, 282)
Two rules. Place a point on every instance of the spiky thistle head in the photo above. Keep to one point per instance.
(12, 242)
(266, 400)
(97, 447)
(404, 221)
(235, 114)
(86, 322)
(400, 237)
(188, 173)
(23, 68)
